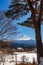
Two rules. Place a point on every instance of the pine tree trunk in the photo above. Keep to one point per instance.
(38, 42)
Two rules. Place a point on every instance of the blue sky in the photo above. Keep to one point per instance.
(4, 4)
(21, 29)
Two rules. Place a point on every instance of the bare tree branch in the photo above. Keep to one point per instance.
(7, 30)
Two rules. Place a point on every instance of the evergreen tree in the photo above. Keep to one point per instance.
(17, 8)
(22, 8)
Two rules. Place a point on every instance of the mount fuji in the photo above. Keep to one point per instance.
(24, 37)
(23, 41)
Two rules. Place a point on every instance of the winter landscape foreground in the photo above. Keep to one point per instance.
(18, 57)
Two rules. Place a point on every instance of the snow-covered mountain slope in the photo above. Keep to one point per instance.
(23, 41)
(24, 37)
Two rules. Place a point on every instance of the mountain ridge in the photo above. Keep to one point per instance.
(24, 37)
(24, 43)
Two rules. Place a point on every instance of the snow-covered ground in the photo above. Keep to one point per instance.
(29, 56)
(19, 55)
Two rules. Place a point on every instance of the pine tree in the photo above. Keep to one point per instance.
(35, 22)
(36, 7)
(17, 8)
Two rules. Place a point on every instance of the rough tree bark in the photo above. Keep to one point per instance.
(38, 41)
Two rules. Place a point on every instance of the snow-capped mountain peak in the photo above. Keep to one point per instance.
(24, 37)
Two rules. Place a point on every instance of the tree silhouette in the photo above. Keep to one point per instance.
(7, 30)
(17, 8)
(23, 8)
